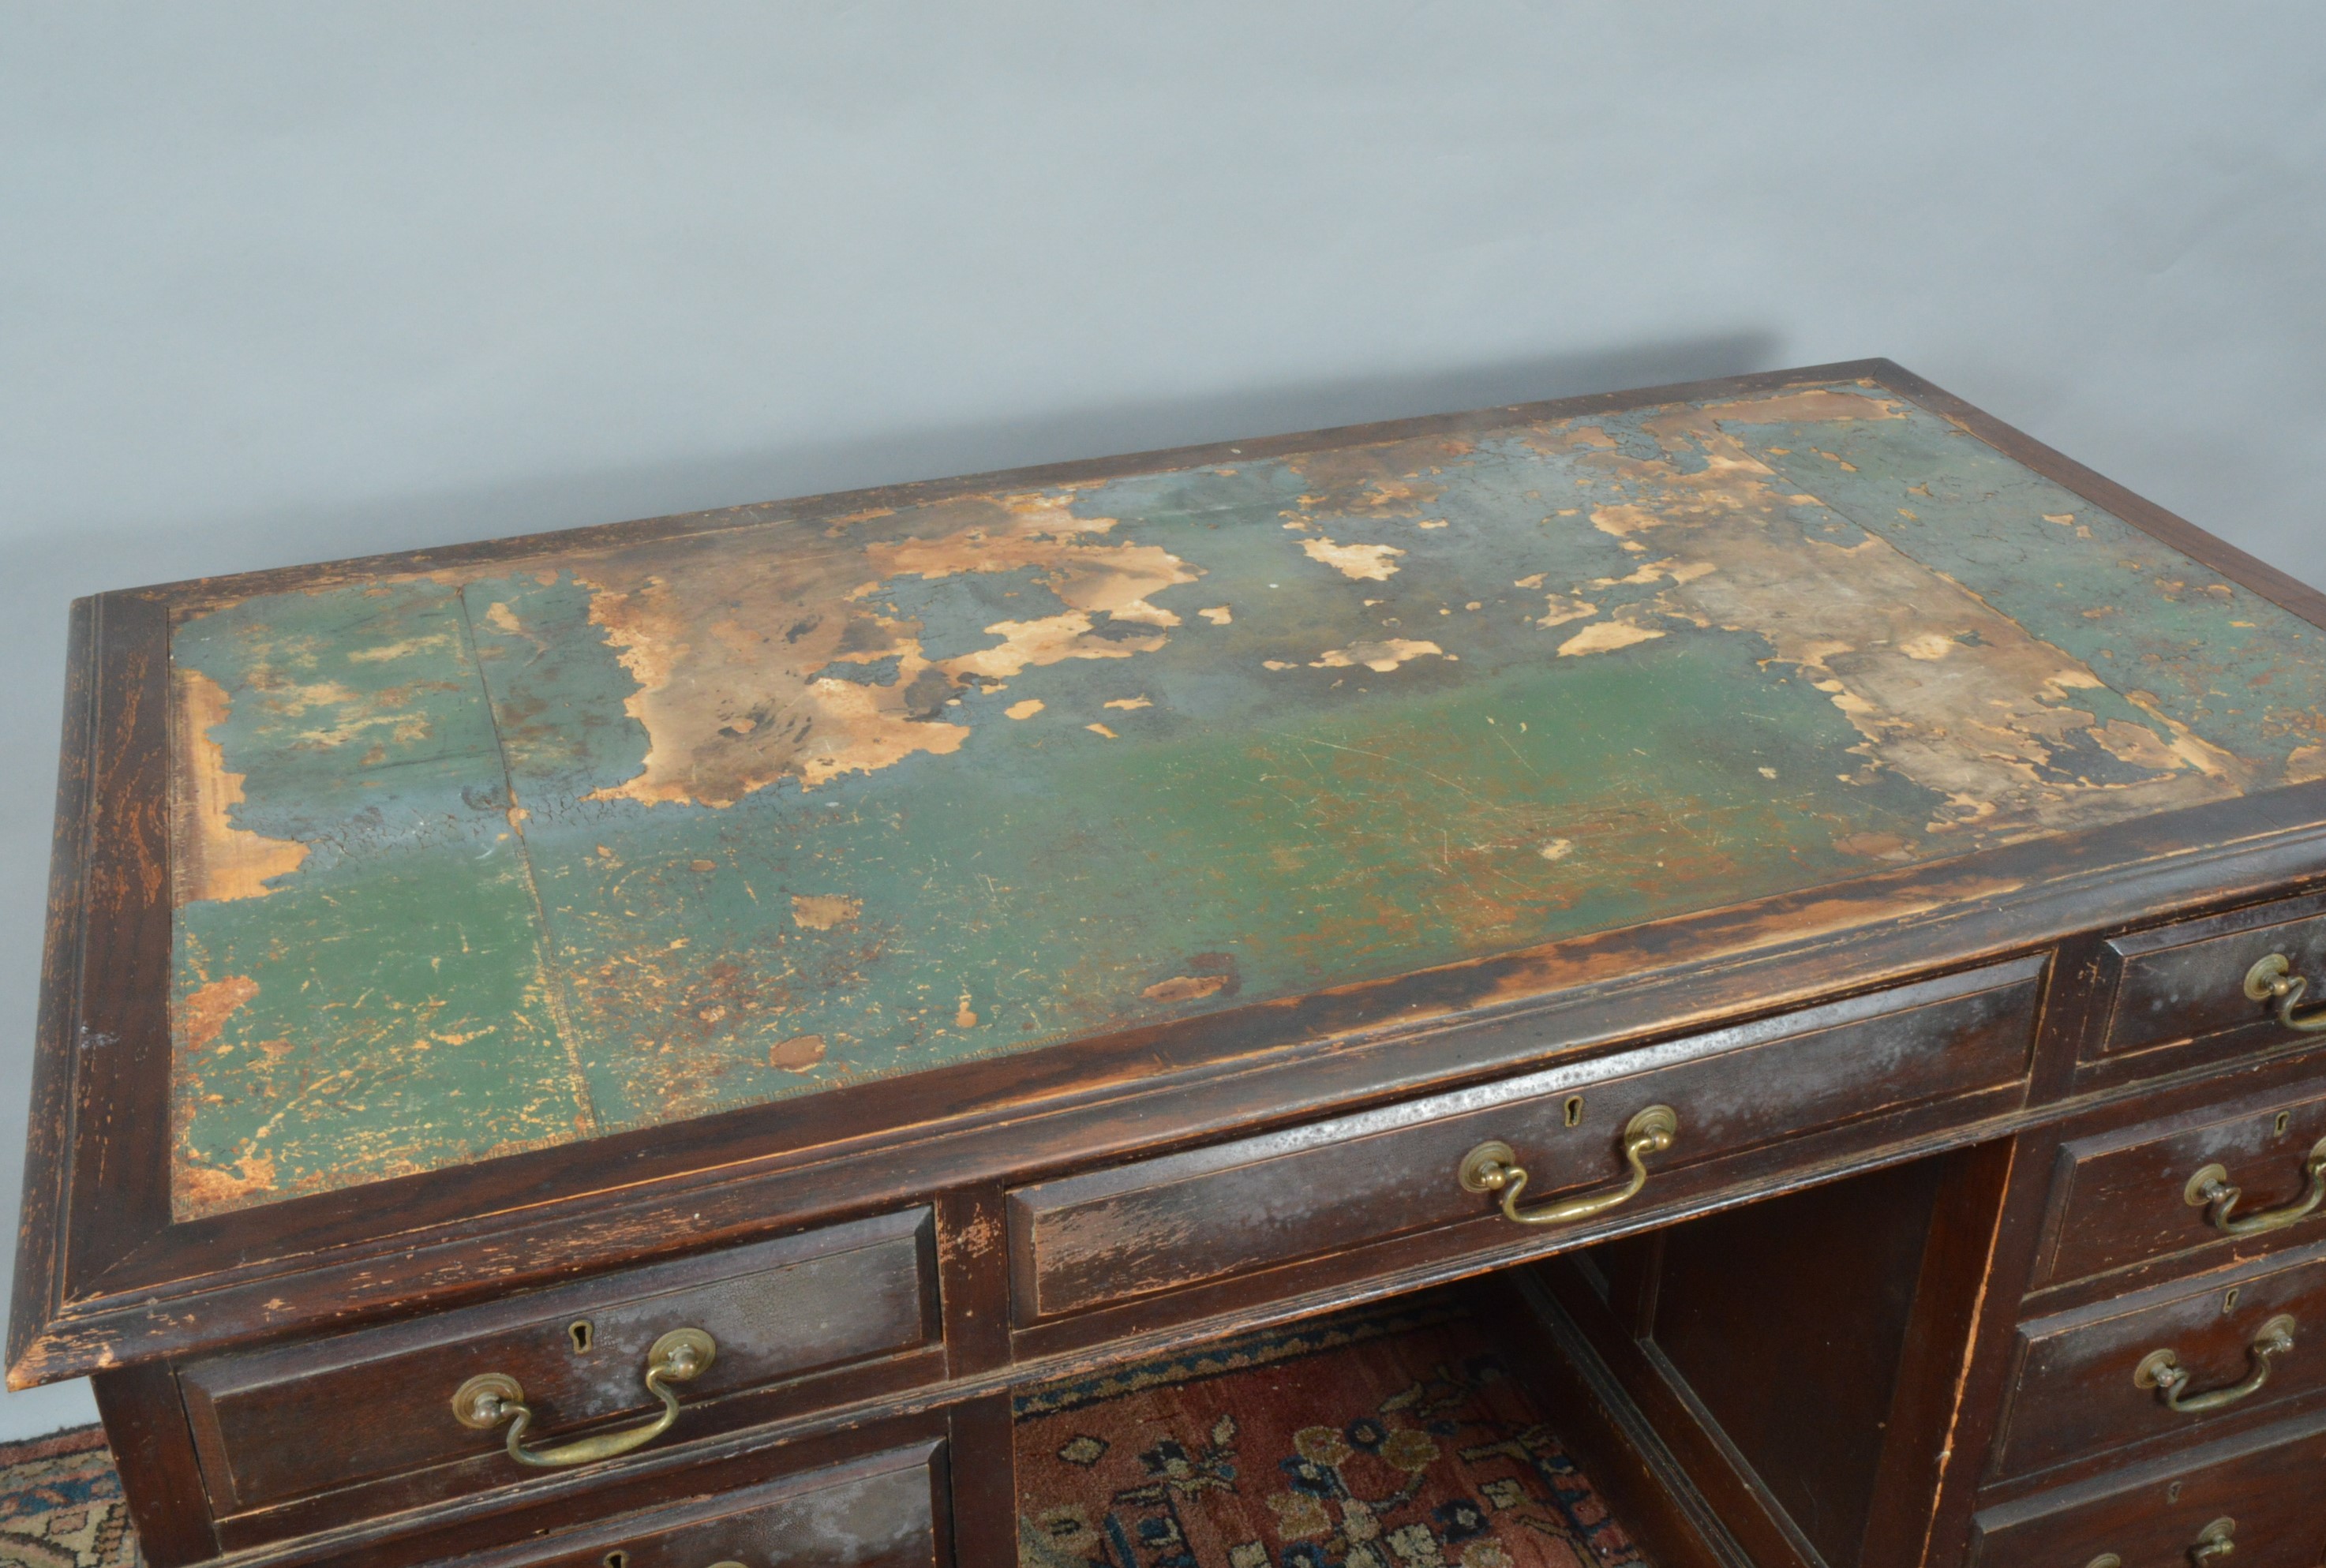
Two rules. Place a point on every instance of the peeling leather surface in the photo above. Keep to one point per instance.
(479, 861)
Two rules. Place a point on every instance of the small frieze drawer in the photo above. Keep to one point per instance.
(2175, 1362)
(2248, 1177)
(2250, 1501)
(1552, 1150)
(2259, 973)
(575, 1375)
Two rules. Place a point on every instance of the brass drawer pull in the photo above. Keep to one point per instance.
(2211, 1186)
(489, 1398)
(1492, 1167)
(2214, 1543)
(2162, 1372)
(2273, 980)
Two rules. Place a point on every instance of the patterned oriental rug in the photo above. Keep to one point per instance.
(60, 1504)
(1395, 1437)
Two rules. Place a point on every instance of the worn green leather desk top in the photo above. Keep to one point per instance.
(493, 858)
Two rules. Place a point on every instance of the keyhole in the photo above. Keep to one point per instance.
(2172, 1493)
(1574, 1110)
(2229, 1301)
(612, 1559)
(578, 1332)
(2285, 1120)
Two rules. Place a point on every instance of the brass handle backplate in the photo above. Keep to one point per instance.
(1492, 1167)
(2162, 1372)
(489, 1398)
(2214, 1543)
(2211, 1189)
(2273, 980)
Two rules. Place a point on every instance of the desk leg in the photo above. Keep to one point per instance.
(984, 1473)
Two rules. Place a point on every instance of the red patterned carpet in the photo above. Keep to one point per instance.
(60, 1505)
(1394, 1438)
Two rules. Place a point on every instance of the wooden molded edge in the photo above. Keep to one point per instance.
(49, 1142)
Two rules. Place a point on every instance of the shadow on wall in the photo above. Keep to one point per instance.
(170, 551)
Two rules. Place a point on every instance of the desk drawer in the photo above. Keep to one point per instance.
(2182, 984)
(2128, 1198)
(2078, 1391)
(1155, 1225)
(882, 1512)
(787, 1317)
(2158, 1516)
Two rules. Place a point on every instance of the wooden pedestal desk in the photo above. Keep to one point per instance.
(624, 1048)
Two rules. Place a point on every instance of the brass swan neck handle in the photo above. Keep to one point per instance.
(1492, 1167)
(489, 1398)
(2273, 980)
(2211, 1189)
(2162, 1372)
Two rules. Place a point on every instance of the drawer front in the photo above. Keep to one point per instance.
(2124, 1198)
(279, 1424)
(2184, 983)
(1107, 1236)
(2157, 1517)
(2080, 1390)
(882, 1512)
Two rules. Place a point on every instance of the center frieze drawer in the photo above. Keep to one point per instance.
(1101, 1237)
(2175, 1360)
(721, 1339)
(2250, 1501)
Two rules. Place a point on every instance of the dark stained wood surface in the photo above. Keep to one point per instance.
(862, 1516)
(50, 1155)
(981, 1462)
(161, 1478)
(1804, 1360)
(1599, 1426)
(2031, 1210)
(2075, 1395)
(1091, 1239)
(2122, 1196)
(1639, 1379)
(272, 1425)
(2151, 1516)
(1787, 1319)
(602, 1510)
(2181, 982)
(1930, 1447)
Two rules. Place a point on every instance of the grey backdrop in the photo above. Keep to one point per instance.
(283, 282)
